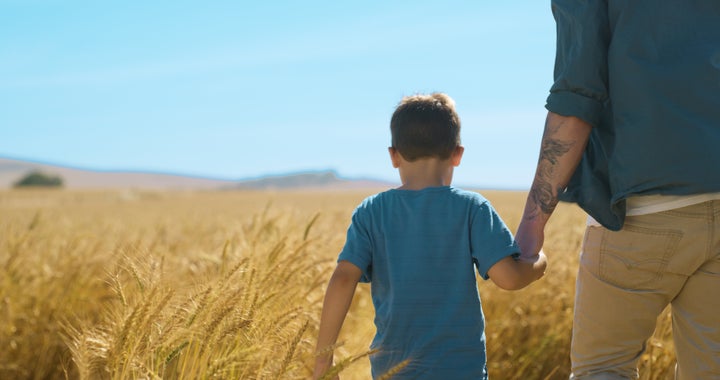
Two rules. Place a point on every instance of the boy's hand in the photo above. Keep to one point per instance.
(516, 273)
(538, 261)
(322, 365)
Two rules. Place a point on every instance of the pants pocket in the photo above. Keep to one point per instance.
(636, 257)
(711, 267)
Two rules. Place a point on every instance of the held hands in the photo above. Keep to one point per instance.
(538, 262)
(530, 237)
(514, 273)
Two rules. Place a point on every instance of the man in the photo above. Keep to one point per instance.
(633, 137)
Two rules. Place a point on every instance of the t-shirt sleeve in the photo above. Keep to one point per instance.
(490, 239)
(581, 72)
(358, 244)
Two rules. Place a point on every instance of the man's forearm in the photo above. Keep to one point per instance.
(562, 147)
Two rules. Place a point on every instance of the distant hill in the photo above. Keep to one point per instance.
(11, 170)
(314, 180)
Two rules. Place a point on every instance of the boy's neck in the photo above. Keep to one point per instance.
(424, 173)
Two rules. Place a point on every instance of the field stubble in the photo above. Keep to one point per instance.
(148, 285)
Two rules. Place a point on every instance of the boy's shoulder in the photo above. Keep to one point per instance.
(369, 200)
(471, 195)
(450, 192)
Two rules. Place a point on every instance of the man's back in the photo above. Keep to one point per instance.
(646, 75)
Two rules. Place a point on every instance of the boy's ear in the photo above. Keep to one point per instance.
(394, 157)
(457, 155)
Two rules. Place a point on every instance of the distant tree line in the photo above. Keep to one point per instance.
(39, 179)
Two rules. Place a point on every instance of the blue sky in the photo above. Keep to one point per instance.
(239, 89)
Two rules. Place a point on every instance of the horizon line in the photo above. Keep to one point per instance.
(243, 179)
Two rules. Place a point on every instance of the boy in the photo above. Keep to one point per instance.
(419, 246)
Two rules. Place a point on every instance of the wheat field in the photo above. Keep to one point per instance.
(229, 285)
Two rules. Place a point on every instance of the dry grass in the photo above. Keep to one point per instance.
(142, 285)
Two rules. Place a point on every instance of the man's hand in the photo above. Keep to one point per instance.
(538, 262)
(530, 238)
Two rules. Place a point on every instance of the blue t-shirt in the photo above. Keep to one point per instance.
(419, 249)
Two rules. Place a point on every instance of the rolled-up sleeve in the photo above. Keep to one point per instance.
(581, 70)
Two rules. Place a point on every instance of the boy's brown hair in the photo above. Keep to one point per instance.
(425, 126)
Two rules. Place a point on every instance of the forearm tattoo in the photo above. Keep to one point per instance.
(542, 192)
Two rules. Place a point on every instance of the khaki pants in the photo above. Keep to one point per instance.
(627, 278)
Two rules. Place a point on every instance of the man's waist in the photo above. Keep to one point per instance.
(650, 204)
